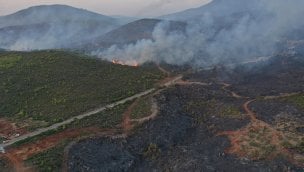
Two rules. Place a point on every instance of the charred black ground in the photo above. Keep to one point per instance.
(186, 135)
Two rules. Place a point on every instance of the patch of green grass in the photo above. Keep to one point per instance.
(9, 61)
(286, 144)
(298, 146)
(143, 108)
(152, 151)
(254, 144)
(213, 107)
(266, 150)
(298, 100)
(52, 86)
(230, 111)
(50, 160)
(106, 119)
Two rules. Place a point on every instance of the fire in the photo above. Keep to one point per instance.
(126, 63)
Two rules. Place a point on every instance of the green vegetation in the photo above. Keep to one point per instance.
(50, 160)
(142, 108)
(294, 142)
(52, 86)
(200, 108)
(9, 61)
(258, 143)
(2, 139)
(230, 111)
(300, 146)
(298, 100)
(152, 151)
(38, 137)
(106, 119)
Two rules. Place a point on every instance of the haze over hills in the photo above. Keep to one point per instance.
(52, 26)
(243, 29)
(132, 32)
(219, 8)
(223, 31)
(215, 88)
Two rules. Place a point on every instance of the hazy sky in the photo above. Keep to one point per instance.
(143, 8)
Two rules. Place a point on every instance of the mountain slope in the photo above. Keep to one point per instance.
(132, 32)
(218, 8)
(55, 85)
(51, 14)
(52, 26)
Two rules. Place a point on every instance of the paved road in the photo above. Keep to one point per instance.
(68, 121)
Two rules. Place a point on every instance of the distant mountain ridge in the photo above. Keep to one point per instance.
(218, 8)
(224, 23)
(52, 14)
(132, 32)
(52, 26)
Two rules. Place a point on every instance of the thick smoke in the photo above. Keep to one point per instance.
(224, 31)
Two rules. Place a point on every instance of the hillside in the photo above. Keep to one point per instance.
(132, 32)
(218, 88)
(44, 87)
(212, 121)
(52, 26)
(222, 119)
(218, 8)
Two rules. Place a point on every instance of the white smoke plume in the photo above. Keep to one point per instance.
(239, 31)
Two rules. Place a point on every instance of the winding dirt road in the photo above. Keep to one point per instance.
(18, 155)
(154, 112)
(248, 111)
(172, 81)
(233, 94)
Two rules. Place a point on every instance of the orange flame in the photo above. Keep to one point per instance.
(127, 63)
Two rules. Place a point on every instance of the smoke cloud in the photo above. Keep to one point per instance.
(224, 31)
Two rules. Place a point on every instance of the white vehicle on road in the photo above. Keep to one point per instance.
(2, 149)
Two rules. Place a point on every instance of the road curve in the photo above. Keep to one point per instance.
(249, 112)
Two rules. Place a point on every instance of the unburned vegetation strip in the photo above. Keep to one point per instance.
(51, 86)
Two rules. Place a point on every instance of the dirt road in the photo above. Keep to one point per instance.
(172, 81)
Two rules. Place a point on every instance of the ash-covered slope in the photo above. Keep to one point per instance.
(189, 132)
(52, 26)
(279, 74)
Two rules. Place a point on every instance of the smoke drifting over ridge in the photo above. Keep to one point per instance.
(224, 31)
(52, 26)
